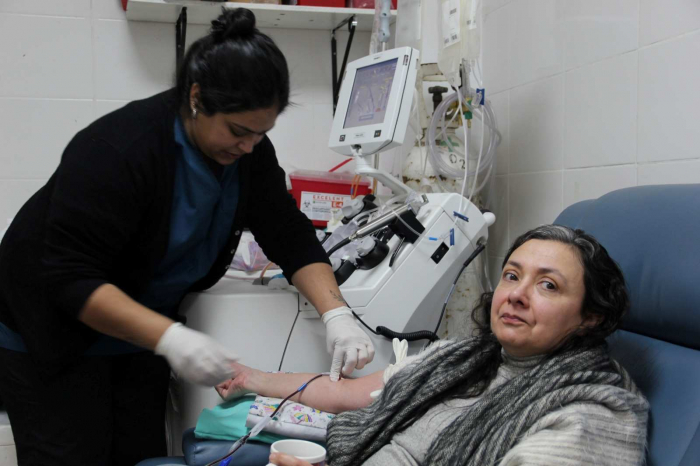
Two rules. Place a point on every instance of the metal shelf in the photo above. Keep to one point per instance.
(267, 16)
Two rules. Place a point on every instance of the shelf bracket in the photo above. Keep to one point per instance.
(180, 36)
(337, 79)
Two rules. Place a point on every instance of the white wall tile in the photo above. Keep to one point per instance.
(194, 32)
(669, 101)
(8, 454)
(133, 59)
(392, 161)
(501, 107)
(498, 232)
(669, 173)
(308, 57)
(534, 199)
(13, 195)
(42, 56)
(598, 29)
(536, 41)
(36, 131)
(537, 126)
(489, 6)
(103, 107)
(109, 9)
(601, 113)
(496, 49)
(591, 183)
(663, 19)
(293, 136)
(308, 54)
(301, 139)
(74, 8)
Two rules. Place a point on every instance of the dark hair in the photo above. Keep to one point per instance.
(605, 298)
(237, 67)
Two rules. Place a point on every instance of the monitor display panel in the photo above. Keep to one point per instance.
(370, 94)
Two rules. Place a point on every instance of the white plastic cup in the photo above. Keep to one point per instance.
(307, 451)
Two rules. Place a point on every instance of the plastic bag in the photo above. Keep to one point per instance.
(249, 256)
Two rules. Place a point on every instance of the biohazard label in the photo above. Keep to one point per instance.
(322, 206)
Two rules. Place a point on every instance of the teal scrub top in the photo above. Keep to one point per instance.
(203, 209)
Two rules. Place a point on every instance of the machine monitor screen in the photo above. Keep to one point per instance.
(370, 94)
(374, 102)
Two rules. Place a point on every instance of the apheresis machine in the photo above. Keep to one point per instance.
(395, 261)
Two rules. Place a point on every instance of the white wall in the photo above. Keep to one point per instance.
(591, 96)
(64, 63)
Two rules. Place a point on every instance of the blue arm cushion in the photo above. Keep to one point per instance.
(170, 461)
(201, 452)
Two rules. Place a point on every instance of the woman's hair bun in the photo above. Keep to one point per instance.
(233, 24)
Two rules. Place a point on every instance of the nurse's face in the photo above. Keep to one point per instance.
(226, 137)
(538, 300)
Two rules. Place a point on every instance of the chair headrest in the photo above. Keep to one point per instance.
(653, 232)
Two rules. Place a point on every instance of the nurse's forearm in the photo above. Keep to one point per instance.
(317, 283)
(111, 311)
(332, 397)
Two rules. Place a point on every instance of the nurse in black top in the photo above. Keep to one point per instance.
(147, 204)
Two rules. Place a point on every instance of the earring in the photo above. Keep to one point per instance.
(194, 112)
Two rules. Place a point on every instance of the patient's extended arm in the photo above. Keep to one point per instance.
(322, 394)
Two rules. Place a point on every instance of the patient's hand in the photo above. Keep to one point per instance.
(237, 386)
(285, 460)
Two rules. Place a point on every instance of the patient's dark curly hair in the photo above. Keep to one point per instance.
(605, 300)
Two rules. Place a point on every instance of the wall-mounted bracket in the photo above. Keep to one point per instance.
(180, 37)
(337, 79)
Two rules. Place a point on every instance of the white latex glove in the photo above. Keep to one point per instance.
(196, 357)
(348, 344)
(400, 352)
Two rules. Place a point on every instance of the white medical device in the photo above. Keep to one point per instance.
(404, 290)
(375, 102)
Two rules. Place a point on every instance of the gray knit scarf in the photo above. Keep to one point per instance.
(485, 432)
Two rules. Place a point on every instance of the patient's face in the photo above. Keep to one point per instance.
(537, 302)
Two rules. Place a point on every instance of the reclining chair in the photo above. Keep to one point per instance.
(653, 232)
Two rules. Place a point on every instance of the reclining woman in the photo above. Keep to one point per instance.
(535, 386)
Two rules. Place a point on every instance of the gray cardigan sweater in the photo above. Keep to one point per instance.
(576, 434)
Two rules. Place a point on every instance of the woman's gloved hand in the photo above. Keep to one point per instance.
(196, 357)
(400, 352)
(348, 344)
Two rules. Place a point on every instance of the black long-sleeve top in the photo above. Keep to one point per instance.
(104, 217)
